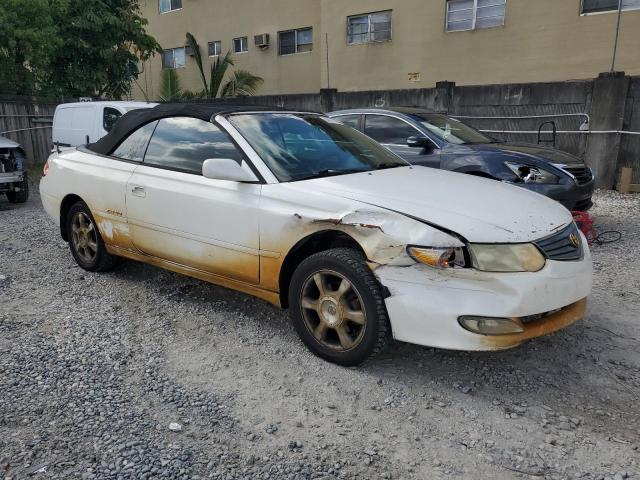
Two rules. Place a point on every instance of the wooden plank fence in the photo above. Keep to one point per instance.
(624, 182)
(28, 122)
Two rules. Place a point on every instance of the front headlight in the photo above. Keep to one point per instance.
(439, 257)
(531, 174)
(519, 257)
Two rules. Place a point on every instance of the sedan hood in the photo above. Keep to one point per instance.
(6, 143)
(528, 151)
(478, 209)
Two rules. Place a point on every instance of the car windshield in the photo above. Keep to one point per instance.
(303, 146)
(450, 129)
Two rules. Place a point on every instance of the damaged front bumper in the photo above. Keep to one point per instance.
(572, 195)
(425, 304)
(9, 181)
(11, 177)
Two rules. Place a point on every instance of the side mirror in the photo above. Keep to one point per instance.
(226, 169)
(419, 142)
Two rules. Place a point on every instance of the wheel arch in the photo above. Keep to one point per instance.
(66, 204)
(314, 243)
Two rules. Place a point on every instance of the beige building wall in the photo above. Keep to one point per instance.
(541, 40)
(224, 20)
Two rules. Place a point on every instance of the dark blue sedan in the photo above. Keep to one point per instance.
(439, 141)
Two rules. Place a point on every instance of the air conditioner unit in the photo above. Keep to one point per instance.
(262, 40)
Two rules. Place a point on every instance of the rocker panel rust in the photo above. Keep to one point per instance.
(269, 296)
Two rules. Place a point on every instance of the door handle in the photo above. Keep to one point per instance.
(138, 191)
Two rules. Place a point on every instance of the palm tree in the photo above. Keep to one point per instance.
(219, 69)
(242, 82)
(170, 86)
(197, 56)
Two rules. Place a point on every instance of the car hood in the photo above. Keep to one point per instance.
(524, 151)
(6, 143)
(478, 209)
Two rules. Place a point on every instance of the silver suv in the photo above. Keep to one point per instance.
(13, 178)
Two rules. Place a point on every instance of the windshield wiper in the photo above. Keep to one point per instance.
(382, 166)
(330, 172)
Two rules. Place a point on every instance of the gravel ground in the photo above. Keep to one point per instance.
(142, 373)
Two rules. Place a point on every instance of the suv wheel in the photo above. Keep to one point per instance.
(23, 195)
(337, 307)
(86, 244)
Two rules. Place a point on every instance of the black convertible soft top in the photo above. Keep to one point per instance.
(135, 119)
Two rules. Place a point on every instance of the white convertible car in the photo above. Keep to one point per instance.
(313, 216)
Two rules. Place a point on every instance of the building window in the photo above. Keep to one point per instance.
(240, 45)
(295, 41)
(215, 48)
(368, 28)
(596, 6)
(173, 58)
(170, 5)
(472, 14)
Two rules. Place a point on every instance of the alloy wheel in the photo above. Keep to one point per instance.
(333, 310)
(84, 238)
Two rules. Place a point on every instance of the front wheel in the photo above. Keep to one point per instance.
(337, 307)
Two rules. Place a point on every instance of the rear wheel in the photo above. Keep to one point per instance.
(337, 307)
(22, 195)
(86, 244)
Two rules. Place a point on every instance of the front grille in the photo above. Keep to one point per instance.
(539, 316)
(560, 246)
(582, 173)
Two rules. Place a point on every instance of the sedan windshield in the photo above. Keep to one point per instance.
(304, 146)
(450, 129)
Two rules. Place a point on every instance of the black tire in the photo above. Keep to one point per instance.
(351, 266)
(23, 195)
(103, 261)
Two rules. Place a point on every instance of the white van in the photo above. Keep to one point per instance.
(80, 123)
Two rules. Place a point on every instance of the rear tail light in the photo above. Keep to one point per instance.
(45, 169)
